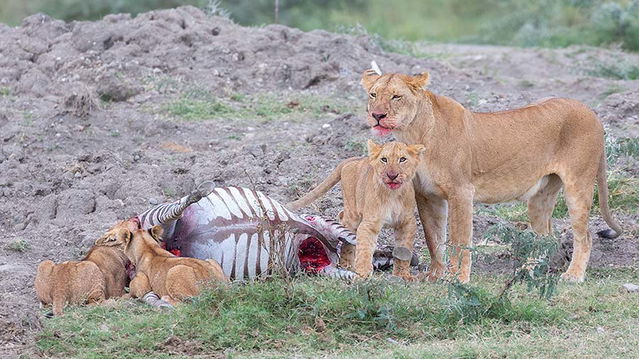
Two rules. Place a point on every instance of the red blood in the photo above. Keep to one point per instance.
(176, 252)
(381, 131)
(313, 257)
(393, 185)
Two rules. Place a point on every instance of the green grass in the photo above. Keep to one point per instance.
(317, 317)
(621, 70)
(19, 245)
(201, 105)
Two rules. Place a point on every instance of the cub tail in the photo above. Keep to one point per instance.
(322, 188)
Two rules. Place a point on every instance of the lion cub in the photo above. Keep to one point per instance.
(101, 274)
(171, 278)
(377, 191)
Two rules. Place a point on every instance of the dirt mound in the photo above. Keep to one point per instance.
(49, 57)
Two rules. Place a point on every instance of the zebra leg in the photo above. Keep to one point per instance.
(165, 214)
(339, 273)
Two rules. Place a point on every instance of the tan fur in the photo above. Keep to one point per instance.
(369, 202)
(527, 153)
(170, 277)
(100, 275)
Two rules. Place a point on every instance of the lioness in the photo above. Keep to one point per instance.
(526, 154)
(170, 277)
(101, 274)
(375, 194)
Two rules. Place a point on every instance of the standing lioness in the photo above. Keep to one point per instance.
(526, 154)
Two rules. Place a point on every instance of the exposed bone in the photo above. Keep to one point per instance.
(375, 67)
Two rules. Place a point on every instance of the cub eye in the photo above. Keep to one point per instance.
(396, 97)
(372, 94)
(384, 159)
(402, 159)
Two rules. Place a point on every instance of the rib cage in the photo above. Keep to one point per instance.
(244, 230)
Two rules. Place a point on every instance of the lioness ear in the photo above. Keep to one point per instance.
(373, 148)
(157, 232)
(420, 81)
(368, 79)
(417, 150)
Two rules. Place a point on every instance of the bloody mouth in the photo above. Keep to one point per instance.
(380, 130)
(312, 255)
(393, 185)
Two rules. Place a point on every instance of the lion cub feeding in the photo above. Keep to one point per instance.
(377, 191)
(100, 275)
(171, 278)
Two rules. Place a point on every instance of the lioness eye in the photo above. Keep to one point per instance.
(384, 159)
(372, 94)
(402, 159)
(396, 97)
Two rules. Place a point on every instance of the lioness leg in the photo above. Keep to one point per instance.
(432, 213)
(541, 205)
(366, 240)
(404, 237)
(181, 282)
(579, 199)
(461, 232)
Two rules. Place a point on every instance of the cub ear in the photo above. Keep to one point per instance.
(417, 150)
(419, 81)
(157, 232)
(373, 149)
(368, 79)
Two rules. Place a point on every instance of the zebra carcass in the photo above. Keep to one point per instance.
(250, 234)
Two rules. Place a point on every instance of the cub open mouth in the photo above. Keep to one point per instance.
(393, 185)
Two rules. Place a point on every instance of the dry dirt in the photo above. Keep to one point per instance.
(85, 138)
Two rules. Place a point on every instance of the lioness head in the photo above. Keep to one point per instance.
(393, 99)
(394, 162)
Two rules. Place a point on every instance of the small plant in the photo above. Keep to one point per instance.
(531, 254)
(19, 245)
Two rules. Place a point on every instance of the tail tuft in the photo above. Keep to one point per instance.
(608, 233)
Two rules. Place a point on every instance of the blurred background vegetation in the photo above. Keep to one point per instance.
(545, 23)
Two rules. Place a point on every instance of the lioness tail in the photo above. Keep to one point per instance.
(322, 188)
(602, 186)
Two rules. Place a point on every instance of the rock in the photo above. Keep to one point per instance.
(75, 202)
(631, 288)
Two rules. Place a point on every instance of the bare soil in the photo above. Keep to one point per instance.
(85, 138)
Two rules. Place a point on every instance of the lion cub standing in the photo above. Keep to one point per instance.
(377, 191)
(100, 275)
(171, 278)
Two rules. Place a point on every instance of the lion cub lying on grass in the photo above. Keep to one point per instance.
(377, 191)
(100, 275)
(171, 278)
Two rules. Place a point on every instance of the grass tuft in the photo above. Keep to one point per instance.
(19, 245)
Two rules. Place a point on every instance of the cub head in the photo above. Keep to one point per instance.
(118, 235)
(393, 100)
(394, 163)
(123, 234)
(152, 236)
